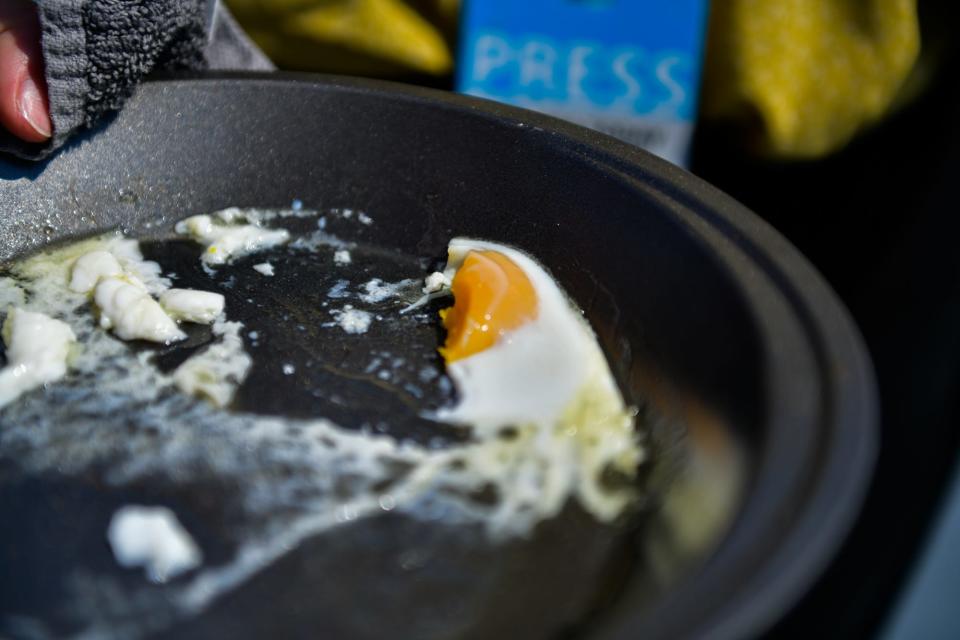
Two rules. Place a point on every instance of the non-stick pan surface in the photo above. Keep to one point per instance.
(748, 366)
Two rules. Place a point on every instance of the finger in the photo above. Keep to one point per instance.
(24, 106)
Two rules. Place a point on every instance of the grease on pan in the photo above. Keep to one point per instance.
(294, 478)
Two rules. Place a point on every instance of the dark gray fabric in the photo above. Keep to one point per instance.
(65, 60)
(127, 39)
(96, 51)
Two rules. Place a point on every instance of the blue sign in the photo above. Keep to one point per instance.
(629, 68)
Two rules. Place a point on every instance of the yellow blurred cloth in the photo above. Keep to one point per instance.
(369, 37)
(807, 74)
(802, 77)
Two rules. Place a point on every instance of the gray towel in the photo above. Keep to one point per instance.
(96, 51)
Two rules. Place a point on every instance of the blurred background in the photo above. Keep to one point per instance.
(834, 120)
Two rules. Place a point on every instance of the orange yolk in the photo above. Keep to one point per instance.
(492, 296)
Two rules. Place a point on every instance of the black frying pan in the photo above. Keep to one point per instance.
(734, 346)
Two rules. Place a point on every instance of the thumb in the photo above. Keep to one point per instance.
(24, 106)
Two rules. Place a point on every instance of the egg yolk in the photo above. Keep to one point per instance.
(492, 296)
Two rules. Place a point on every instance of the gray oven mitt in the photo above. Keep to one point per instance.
(96, 51)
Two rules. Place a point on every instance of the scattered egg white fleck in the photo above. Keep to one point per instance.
(152, 538)
(435, 285)
(264, 268)
(190, 305)
(37, 350)
(342, 257)
(376, 290)
(339, 289)
(353, 320)
(364, 219)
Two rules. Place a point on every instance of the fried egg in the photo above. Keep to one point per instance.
(522, 356)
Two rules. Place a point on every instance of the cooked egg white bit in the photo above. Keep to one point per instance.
(215, 374)
(122, 417)
(122, 283)
(90, 268)
(189, 305)
(212, 374)
(436, 285)
(127, 253)
(225, 238)
(436, 281)
(132, 314)
(352, 320)
(37, 351)
(152, 538)
(264, 268)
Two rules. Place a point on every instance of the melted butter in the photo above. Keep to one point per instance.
(11, 295)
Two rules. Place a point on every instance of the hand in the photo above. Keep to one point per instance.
(24, 106)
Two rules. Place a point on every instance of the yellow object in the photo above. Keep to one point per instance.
(369, 37)
(385, 28)
(492, 295)
(808, 73)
